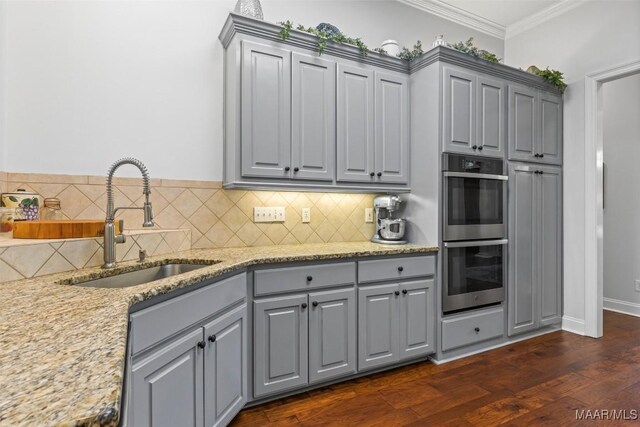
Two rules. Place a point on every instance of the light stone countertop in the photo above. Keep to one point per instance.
(63, 347)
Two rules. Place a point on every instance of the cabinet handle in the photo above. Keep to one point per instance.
(315, 303)
(372, 173)
(480, 148)
(212, 338)
(404, 291)
(536, 155)
(296, 169)
(304, 305)
(475, 147)
(379, 174)
(477, 329)
(541, 172)
(541, 155)
(309, 278)
(287, 168)
(397, 293)
(536, 172)
(400, 269)
(202, 344)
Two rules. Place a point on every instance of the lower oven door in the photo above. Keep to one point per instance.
(473, 274)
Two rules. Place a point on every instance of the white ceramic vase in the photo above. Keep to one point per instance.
(251, 8)
(391, 47)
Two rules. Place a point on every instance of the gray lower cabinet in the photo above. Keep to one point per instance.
(535, 126)
(225, 368)
(167, 386)
(395, 322)
(535, 247)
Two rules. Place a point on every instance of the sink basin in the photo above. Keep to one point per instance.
(140, 277)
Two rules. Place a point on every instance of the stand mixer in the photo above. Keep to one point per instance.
(389, 230)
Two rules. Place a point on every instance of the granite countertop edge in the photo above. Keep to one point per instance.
(58, 294)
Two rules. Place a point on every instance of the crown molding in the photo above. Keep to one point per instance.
(459, 16)
(541, 17)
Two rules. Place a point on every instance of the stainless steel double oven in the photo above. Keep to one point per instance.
(474, 231)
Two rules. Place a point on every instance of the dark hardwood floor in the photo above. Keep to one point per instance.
(541, 381)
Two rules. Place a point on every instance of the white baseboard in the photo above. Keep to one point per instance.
(624, 307)
(572, 324)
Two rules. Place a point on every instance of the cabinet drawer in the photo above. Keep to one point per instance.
(160, 321)
(396, 268)
(290, 279)
(472, 328)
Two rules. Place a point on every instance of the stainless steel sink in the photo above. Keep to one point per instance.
(140, 277)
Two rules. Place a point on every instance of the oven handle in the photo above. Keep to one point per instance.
(475, 175)
(475, 243)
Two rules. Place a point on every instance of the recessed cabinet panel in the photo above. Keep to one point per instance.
(522, 123)
(280, 346)
(392, 128)
(332, 334)
(313, 117)
(551, 132)
(417, 328)
(378, 326)
(167, 386)
(550, 251)
(459, 109)
(522, 242)
(355, 139)
(266, 110)
(491, 126)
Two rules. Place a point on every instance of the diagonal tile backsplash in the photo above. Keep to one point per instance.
(216, 217)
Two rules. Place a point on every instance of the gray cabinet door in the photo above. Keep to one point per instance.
(523, 273)
(167, 386)
(266, 111)
(378, 342)
(313, 118)
(280, 344)
(459, 111)
(550, 244)
(417, 319)
(523, 123)
(355, 124)
(491, 117)
(550, 137)
(392, 128)
(225, 369)
(332, 334)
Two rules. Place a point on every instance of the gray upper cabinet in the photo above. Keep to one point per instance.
(378, 342)
(392, 128)
(280, 344)
(417, 326)
(332, 334)
(535, 260)
(167, 385)
(266, 111)
(355, 138)
(535, 126)
(313, 118)
(491, 117)
(225, 369)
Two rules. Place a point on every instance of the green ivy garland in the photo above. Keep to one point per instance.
(471, 49)
(552, 76)
(323, 37)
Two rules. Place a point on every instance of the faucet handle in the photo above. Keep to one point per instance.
(120, 226)
(120, 237)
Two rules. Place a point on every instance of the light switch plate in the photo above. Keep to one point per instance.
(306, 215)
(368, 215)
(263, 214)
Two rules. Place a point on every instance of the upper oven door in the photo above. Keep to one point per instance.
(475, 206)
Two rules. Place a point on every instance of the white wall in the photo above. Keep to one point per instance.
(3, 83)
(621, 134)
(91, 81)
(594, 36)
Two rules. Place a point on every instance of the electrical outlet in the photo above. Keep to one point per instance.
(306, 215)
(261, 214)
(637, 285)
(368, 215)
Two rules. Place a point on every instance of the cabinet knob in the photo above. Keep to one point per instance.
(309, 278)
(541, 155)
(212, 338)
(536, 155)
(202, 344)
(404, 291)
(287, 168)
(315, 303)
(475, 147)
(397, 293)
(477, 329)
(372, 173)
(296, 169)
(536, 172)
(480, 148)
(541, 172)
(303, 305)
(379, 174)
(400, 269)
